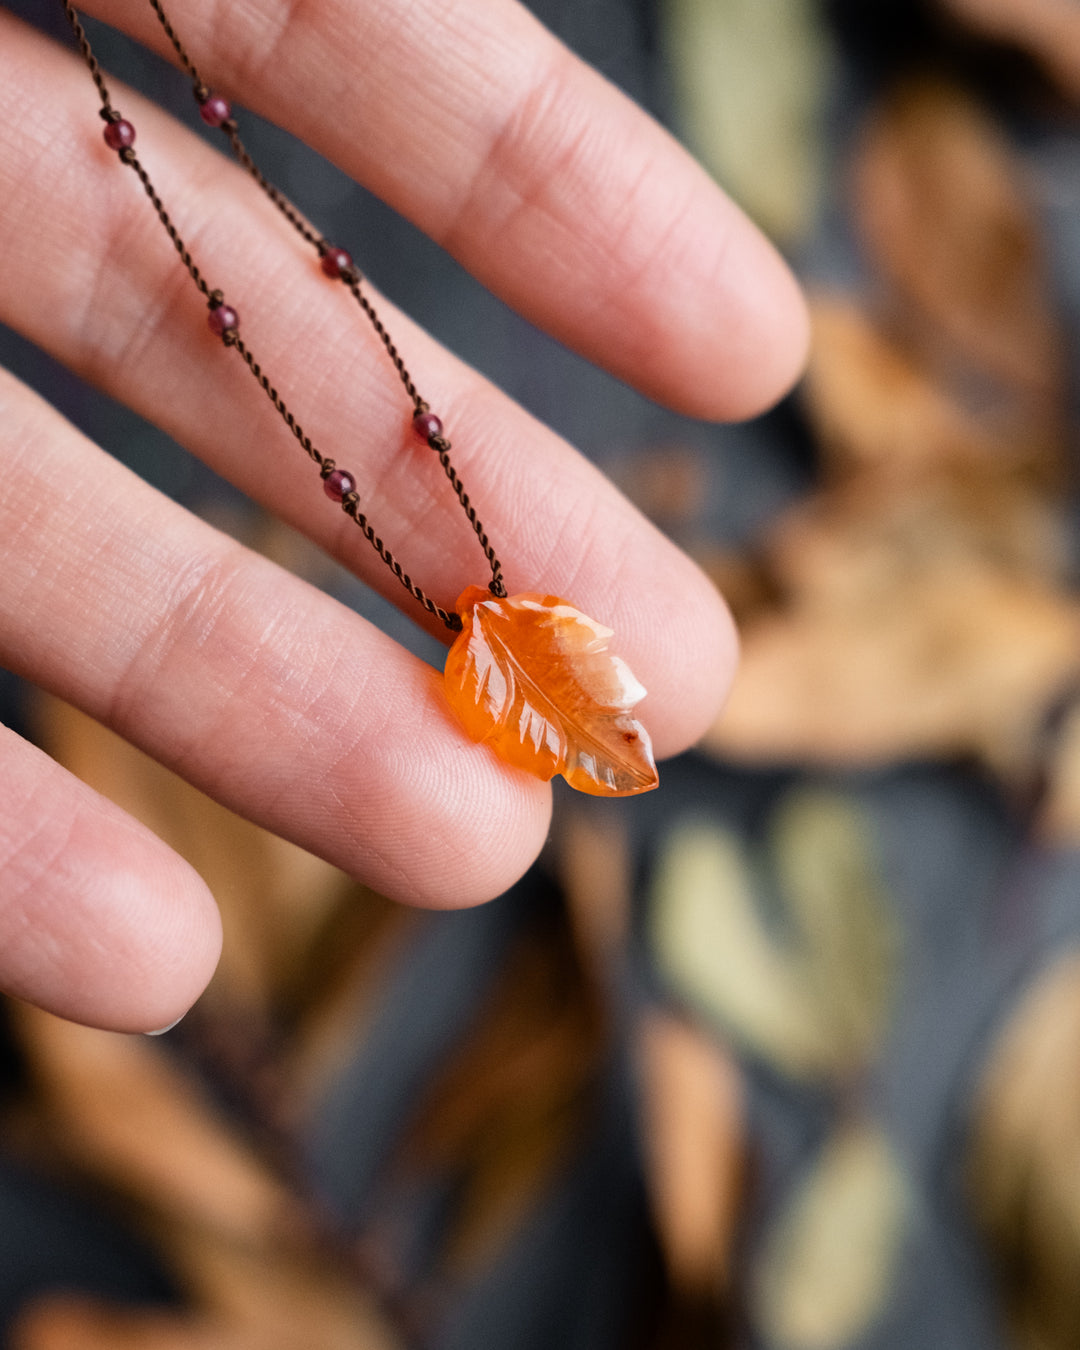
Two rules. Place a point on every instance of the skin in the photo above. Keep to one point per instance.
(559, 194)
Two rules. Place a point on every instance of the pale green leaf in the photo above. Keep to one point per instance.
(711, 944)
(829, 1265)
(827, 871)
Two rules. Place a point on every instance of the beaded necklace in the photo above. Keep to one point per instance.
(528, 675)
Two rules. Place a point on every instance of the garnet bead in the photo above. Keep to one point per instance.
(426, 425)
(119, 135)
(335, 262)
(338, 484)
(222, 318)
(214, 110)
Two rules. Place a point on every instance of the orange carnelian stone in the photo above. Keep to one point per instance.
(532, 677)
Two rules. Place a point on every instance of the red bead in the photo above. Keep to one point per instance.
(338, 484)
(335, 261)
(214, 110)
(222, 318)
(119, 135)
(426, 425)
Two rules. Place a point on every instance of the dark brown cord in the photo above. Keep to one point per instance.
(130, 158)
(291, 214)
(89, 57)
(351, 278)
(350, 502)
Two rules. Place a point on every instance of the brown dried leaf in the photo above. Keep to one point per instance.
(694, 1132)
(962, 662)
(135, 1119)
(940, 202)
(594, 867)
(511, 1100)
(1024, 1161)
(877, 405)
(1048, 29)
(858, 544)
(532, 677)
(247, 1300)
(1059, 810)
(243, 1247)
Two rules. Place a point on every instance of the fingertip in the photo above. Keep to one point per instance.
(441, 822)
(170, 960)
(138, 942)
(501, 836)
(769, 350)
(738, 326)
(691, 661)
(115, 931)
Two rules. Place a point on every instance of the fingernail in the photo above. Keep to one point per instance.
(163, 1030)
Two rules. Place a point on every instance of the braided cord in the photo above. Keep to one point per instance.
(349, 275)
(225, 322)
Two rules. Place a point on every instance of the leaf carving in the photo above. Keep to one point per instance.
(531, 676)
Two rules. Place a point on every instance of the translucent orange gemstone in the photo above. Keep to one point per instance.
(532, 677)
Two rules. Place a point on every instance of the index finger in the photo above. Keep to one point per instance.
(553, 188)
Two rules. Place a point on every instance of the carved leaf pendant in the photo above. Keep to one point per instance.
(531, 677)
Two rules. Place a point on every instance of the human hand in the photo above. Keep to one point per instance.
(554, 190)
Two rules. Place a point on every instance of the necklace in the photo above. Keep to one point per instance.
(528, 675)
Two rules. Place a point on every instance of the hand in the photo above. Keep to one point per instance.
(558, 194)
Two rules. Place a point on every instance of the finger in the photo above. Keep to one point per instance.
(115, 304)
(254, 686)
(549, 185)
(99, 921)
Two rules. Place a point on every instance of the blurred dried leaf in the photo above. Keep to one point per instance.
(1024, 1160)
(860, 543)
(828, 1266)
(510, 1101)
(694, 1135)
(875, 404)
(241, 1244)
(270, 1302)
(1058, 819)
(811, 995)
(1049, 30)
(593, 854)
(134, 1118)
(123, 1111)
(962, 663)
(922, 596)
(941, 205)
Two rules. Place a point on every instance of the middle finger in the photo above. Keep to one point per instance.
(116, 305)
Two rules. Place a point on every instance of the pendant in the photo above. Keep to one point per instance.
(531, 676)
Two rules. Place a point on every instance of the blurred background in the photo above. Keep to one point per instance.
(786, 1055)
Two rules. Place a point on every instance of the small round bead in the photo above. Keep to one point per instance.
(335, 261)
(119, 135)
(426, 425)
(338, 484)
(214, 110)
(222, 318)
